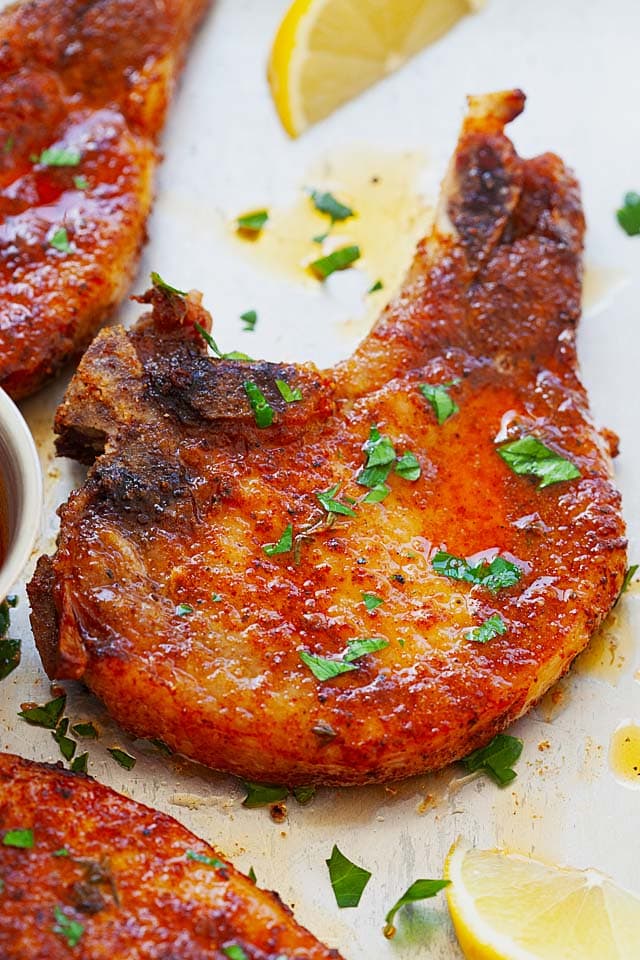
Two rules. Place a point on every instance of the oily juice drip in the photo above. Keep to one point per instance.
(624, 754)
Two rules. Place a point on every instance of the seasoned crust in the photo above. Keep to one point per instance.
(126, 878)
(189, 490)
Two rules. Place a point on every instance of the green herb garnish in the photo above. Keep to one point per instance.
(381, 456)
(67, 928)
(79, 763)
(304, 795)
(19, 837)
(287, 394)
(377, 493)
(496, 759)
(320, 237)
(284, 544)
(46, 716)
(249, 319)
(66, 744)
(208, 339)
(628, 577)
(80, 182)
(338, 260)
(235, 952)
(184, 609)
(371, 601)
(438, 396)
(59, 240)
(328, 500)
(85, 730)
(492, 627)
(262, 411)
(252, 875)
(376, 286)
(497, 575)
(60, 157)
(9, 144)
(203, 858)
(161, 284)
(61, 852)
(252, 222)
(262, 794)
(529, 456)
(419, 890)
(10, 652)
(348, 880)
(124, 759)
(407, 466)
(327, 203)
(629, 214)
(325, 669)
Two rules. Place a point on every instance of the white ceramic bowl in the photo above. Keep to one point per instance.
(21, 490)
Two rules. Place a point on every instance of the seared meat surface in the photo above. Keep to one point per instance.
(89, 873)
(84, 89)
(199, 576)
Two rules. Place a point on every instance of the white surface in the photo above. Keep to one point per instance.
(225, 152)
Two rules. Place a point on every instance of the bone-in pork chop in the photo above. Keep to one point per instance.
(84, 88)
(363, 573)
(87, 872)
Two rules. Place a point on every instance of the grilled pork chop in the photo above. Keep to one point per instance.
(84, 88)
(87, 872)
(371, 580)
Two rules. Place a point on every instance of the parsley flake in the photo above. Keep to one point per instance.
(208, 339)
(203, 858)
(10, 652)
(378, 285)
(46, 716)
(60, 157)
(124, 759)
(628, 578)
(79, 763)
(340, 259)
(252, 222)
(348, 880)
(530, 456)
(438, 396)
(65, 927)
(59, 240)
(327, 203)
(249, 319)
(252, 875)
(408, 467)
(184, 609)
(66, 744)
(304, 795)
(234, 952)
(19, 837)
(323, 668)
(378, 493)
(381, 456)
(629, 214)
(287, 394)
(262, 794)
(493, 626)
(497, 575)
(328, 500)
(86, 731)
(61, 852)
(284, 544)
(262, 411)
(419, 890)
(496, 759)
(161, 284)
(371, 601)
(80, 182)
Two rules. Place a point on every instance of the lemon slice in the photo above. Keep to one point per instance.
(508, 907)
(328, 51)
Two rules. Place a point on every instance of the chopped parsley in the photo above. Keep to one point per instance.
(376, 286)
(249, 319)
(234, 952)
(284, 544)
(61, 852)
(85, 730)
(378, 493)
(262, 794)
(324, 668)
(320, 237)
(629, 214)
(493, 626)
(304, 795)
(438, 396)
(60, 157)
(59, 240)
(362, 645)
(419, 890)
(208, 339)
(46, 716)
(628, 578)
(19, 837)
(407, 466)
(530, 456)
(252, 875)
(184, 609)
(161, 284)
(497, 575)
(203, 858)
(338, 260)
(328, 500)
(287, 394)
(262, 411)
(252, 222)
(381, 456)
(496, 759)
(65, 927)
(124, 759)
(348, 880)
(9, 144)
(79, 763)
(327, 203)
(10, 648)
(371, 601)
(66, 744)
(80, 182)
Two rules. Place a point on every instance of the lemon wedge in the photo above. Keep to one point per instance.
(328, 51)
(509, 907)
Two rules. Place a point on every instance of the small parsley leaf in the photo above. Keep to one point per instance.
(348, 880)
(327, 203)
(284, 544)
(287, 394)
(304, 795)
(493, 626)
(497, 575)
(161, 284)
(60, 157)
(331, 505)
(66, 744)
(46, 716)
(86, 731)
(408, 467)
(438, 396)
(59, 240)
(252, 222)
(184, 609)
(376, 286)
(234, 952)
(371, 601)
(203, 858)
(249, 319)
(628, 578)
(61, 852)
(262, 794)
(80, 182)
(252, 875)
(381, 456)
(65, 927)
(629, 214)
(377, 493)
(262, 411)
(124, 759)
(338, 260)
(79, 763)
(419, 890)
(19, 837)
(322, 668)
(10, 652)
(496, 759)
(530, 456)
(362, 646)
(208, 339)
